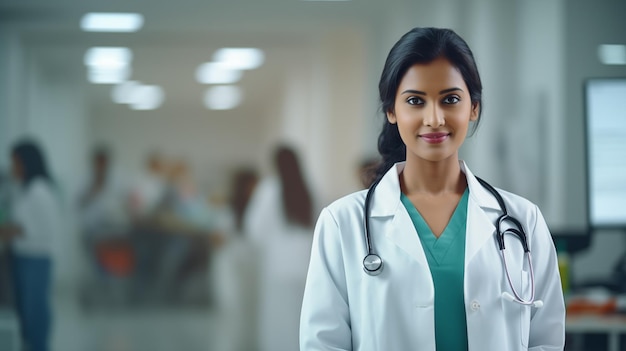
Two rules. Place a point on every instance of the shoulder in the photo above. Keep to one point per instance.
(37, 196)
(521, 208)
(515, 200)
(487, 195)
(39, 189)
(347, 206)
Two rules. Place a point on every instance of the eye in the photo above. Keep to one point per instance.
(413, 100)
(451, 100)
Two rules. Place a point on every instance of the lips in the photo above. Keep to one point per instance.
(434, 138)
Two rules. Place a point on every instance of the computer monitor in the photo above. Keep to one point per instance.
(605, 134)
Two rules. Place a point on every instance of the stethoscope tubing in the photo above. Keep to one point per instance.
(373, 263)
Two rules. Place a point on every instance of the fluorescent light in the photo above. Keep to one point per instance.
(612, 54)
(111, 22)
(217, 73)
(137, 95)
(240, 58)
(222, 97)
(123, 93)
(108, 75)
(108, 65)
(146, 97)
(109, 57)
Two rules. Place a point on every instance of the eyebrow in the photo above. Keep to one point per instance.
(444, 91)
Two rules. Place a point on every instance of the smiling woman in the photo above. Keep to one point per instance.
(443, 285)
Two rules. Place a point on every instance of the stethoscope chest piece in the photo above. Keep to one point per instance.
(373, 264)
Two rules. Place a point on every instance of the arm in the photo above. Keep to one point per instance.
(325, 317)
(547, 324)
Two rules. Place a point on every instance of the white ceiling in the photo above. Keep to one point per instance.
(179, 35)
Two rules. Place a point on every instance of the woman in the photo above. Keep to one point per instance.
(32, 231)
(442, 284)
(279, 221)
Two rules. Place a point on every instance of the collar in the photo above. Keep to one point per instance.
(386, 197)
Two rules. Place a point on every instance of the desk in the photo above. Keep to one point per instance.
(612, 325)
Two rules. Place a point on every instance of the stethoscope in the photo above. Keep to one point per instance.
(373, 263)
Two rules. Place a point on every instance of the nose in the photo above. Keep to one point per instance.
(434, 117)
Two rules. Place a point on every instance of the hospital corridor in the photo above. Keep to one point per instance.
(193, 175)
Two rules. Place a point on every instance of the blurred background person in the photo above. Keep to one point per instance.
(279, 221)
(104, 228)
(234, 275)
(32, 230)
(147, 194)
(149, 190)
(188, 229)
(367, 171)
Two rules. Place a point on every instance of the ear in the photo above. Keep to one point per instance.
(391, 117)
(475, 111)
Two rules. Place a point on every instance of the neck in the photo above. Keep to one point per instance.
(426, 177)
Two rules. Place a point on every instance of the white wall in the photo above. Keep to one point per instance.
(46, 104)
(11, 93)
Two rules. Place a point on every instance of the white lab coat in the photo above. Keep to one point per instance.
(346, 309)
(283, 258)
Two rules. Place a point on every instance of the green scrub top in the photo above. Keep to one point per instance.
(446, 258)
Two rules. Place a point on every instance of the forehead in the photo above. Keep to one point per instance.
(436, 75)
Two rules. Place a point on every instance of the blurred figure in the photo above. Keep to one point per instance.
(149, 190)
(367, 171)
(31, 230)
(147, 195)
(279, 220)
(235, 275)
(187, 226)
(104, 225)
(174, 229)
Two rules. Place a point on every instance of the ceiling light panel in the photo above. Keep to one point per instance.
(240, 58)
(147, 97)
(111, 22)
(217, 73)
(110, 57)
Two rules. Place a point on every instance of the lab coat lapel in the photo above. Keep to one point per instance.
(402, 233)
(399, 227)
(480, 226)
(479, 230)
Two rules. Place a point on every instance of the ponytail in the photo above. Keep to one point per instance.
(390, 147)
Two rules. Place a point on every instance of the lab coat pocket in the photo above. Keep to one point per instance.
(525, 292)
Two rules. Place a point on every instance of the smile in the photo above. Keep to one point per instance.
(434, 138)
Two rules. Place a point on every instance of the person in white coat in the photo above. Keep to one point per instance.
(434, 277)
(33, 229)
(279, 222)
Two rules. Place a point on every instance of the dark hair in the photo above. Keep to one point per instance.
(420, 45)
(296, 197)
(32, 160)
(101, 152)
(243, 184)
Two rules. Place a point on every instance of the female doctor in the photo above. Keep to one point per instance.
(434, 277)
